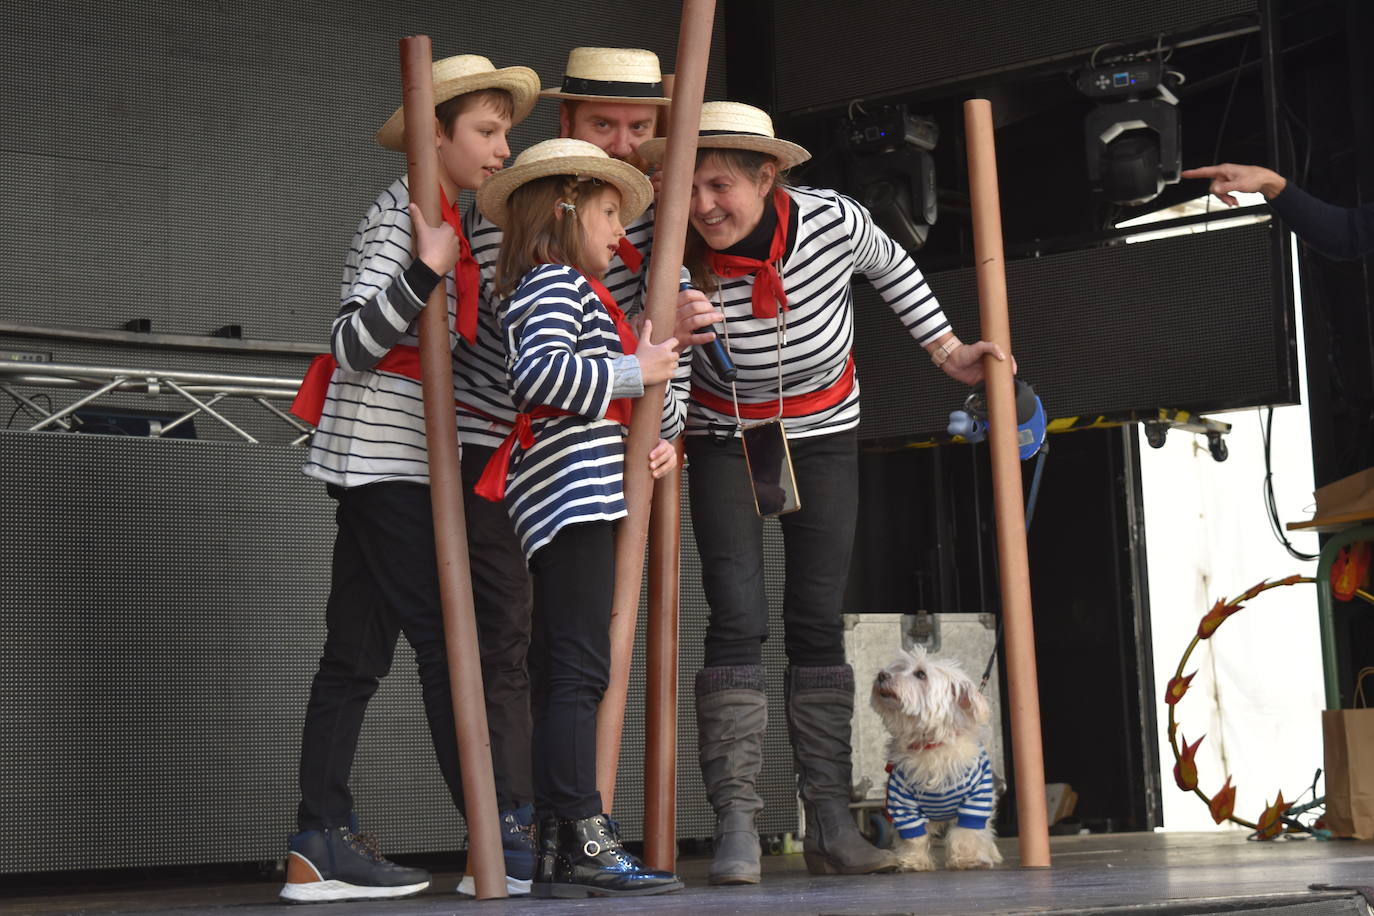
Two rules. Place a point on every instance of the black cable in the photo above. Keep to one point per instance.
(1271, 506)
(9, 424)
(1226, 112)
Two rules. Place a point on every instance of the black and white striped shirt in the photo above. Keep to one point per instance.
(835, 239)
(481, 370)
(373, 424)
(563, 345)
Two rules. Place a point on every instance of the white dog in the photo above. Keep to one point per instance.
(939, 772)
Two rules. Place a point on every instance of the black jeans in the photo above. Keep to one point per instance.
(503, 601)
(818, 540)
(385, 583)
(570, 664)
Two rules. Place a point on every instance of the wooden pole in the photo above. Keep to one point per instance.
(670, 233)
(661, 643)
(485, 861)
(1022, 683)
(660, 700)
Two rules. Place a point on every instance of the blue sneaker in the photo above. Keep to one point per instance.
(517, 845)
(340, 864)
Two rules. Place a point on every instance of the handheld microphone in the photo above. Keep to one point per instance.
(715, 350)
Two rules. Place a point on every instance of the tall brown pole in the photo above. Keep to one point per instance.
(660, 699)
(670, 233)
(1022, 683)
(485, 861)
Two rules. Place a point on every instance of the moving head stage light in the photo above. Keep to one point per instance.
(1133, 144)
(891, 171)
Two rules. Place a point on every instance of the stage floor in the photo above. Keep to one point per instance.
(1157, 874)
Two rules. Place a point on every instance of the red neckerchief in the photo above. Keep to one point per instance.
(465, 276)
(768, 291)
(629, 254)
(492, 484)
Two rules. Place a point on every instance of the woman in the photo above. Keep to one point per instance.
(776, 263)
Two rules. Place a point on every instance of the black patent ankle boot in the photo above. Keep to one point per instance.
(546, 844)
(591, 862)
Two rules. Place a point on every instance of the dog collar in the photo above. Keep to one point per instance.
(925, 747)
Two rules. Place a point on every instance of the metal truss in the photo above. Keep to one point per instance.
(200, 390)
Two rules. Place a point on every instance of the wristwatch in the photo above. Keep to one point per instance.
(942, 352)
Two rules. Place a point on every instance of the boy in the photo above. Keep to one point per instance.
(369, 449)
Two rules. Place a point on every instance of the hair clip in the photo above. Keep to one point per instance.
(566, 207)
(585, 178)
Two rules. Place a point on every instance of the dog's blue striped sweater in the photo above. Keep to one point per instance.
(968, 801)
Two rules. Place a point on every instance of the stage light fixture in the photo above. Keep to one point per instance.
(1132, 137)
(891, 171)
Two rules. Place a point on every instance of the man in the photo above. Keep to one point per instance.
(611, 97)
(1340, 232)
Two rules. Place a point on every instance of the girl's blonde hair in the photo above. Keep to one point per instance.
(542, 227)
(748, 163)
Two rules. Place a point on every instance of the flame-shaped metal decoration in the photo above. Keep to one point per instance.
(1222, 805)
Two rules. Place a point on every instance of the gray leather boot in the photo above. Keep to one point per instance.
(820, 706)
(732, 715)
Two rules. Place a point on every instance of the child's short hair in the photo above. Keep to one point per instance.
(538, 231)
(447, 111)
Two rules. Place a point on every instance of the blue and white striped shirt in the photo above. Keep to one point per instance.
(835, 239)
(968, 800)
(562, 345)
(480, 370)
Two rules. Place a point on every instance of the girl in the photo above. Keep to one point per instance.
(572, 362)
(779, 262)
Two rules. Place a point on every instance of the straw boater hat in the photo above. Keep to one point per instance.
(611, 74)
(454, 76)
(566, 157)
(734, 125)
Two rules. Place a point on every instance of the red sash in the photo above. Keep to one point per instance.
(466, 276)
(492, 484)
(768, 292)
(800, 405)
(309, 402)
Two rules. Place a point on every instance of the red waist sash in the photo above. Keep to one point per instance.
(492, 484)
(309, 402)
(399, 360)
(800, 405)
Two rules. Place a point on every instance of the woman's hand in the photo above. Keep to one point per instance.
(1228, 177)
(662, 459)
(437, 245)
(694, 311)
(656, 361)
(965, 363)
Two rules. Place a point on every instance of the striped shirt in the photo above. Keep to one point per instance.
(481, 372)
(562, 345)
(968, 801)
(373, 424)
(835, 238)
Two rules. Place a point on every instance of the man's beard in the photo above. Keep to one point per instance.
(638, 162)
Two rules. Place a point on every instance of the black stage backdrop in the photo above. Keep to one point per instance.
(204, 164)
(161, 602)
(875, 48)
